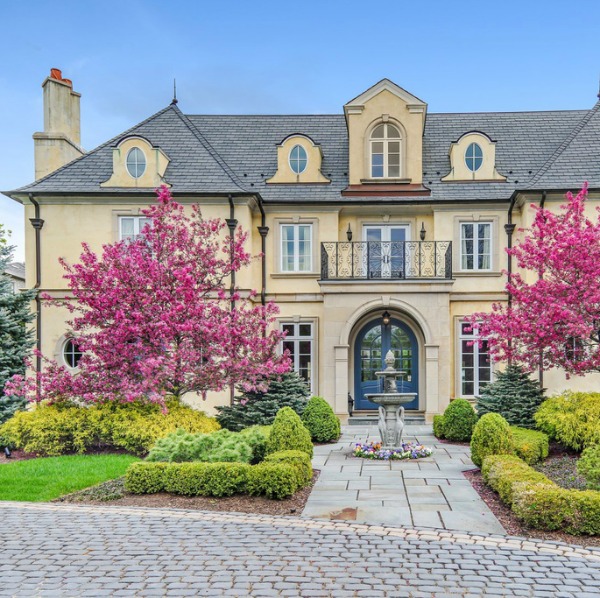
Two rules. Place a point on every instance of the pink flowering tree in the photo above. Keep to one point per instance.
(154, 316)
(554, 316)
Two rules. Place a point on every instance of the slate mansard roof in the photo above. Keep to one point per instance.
(214, 154)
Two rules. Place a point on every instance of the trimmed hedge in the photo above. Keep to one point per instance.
(438, 426)
(62, 428)
(572, 418)
(321, 421)
(289, 433)
(538, 501)
(491, 436)
(280, 476)
(459, 420)
(530, 445)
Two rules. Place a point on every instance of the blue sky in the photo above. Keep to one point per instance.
(282, 57)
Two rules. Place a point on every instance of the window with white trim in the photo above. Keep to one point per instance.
(476, 245)
(474, 359)
(130, 227)
(296, 247)
(300, 342)
(385, 151)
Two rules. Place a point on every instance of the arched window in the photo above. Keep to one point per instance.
(385, 152)
(71, 353)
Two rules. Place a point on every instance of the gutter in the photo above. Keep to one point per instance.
(37, 224)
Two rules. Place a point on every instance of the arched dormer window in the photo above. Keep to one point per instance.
(385, 152)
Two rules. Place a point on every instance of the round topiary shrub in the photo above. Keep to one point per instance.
(588, 466)
(491, 436)
(288, 433)
(438, 426)
(459, 420)
(321, 421)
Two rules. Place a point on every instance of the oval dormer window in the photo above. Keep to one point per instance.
(298, 159)
(474, 157)
(136, 162)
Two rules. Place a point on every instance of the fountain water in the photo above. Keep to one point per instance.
(390, 401)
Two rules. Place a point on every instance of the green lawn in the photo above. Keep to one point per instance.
(45, 479)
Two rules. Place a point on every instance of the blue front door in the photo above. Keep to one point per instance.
(372, 344)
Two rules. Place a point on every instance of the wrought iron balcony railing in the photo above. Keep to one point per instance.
(387, 260)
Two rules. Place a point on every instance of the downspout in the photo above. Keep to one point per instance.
(37, 224)
(263, 230)
(541, 369)
(231, 224)
(509, 227)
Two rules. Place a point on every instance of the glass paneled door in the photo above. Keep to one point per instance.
(372, 344)
(386, 250)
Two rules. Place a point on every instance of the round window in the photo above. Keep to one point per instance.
(136, 162)
(298, 159)
(72, 353)
(474, 157)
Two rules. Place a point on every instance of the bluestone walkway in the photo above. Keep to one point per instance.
(70, 550)
(427, 492)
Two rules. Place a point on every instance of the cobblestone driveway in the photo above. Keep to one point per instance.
(69, 550)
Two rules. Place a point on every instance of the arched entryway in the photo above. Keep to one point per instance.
(372, 343)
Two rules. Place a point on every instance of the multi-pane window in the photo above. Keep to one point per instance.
(474, 157)
(298, 159)
(71, 353)
(476, 245)
(136, 162)
(385, 151)
(300, 343)
(131, 227)
(475, 364)
(296, 247)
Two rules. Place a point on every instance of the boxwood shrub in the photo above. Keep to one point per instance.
(491, 436)
(459, 420)
(321, 421)
(538, 501)
(277, 477)
(532, 446)
(289, 433)
(438, 426)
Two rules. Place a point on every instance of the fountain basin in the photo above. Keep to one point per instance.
(388, 400)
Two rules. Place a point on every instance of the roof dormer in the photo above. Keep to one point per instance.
(385, 132)
(298, 161)
(473, 158)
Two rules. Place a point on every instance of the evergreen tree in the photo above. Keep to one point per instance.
(514, 395)
(16, 339)
(260, 408)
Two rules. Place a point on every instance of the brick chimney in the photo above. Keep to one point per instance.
(59, 143)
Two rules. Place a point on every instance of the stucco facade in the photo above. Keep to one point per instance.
(382, 211)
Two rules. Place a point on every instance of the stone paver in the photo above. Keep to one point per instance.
(425, 492)
(71, 550)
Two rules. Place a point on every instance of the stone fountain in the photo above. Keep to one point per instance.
(390, 401)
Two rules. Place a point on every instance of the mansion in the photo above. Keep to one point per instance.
(381, 227)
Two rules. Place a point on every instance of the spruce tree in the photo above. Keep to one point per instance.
(514, 395)
(16, 338)
(260, 408)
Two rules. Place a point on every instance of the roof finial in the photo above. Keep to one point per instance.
(599, 87)
(174, 100)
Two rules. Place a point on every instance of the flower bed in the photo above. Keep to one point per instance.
(374, 450)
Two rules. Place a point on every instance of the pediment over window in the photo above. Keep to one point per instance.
(298, 161)
(137, 163)
(473, 158)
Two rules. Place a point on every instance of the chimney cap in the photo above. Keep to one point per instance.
(56, 74)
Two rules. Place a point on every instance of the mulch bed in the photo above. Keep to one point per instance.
(113, 493)
(16, 455)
